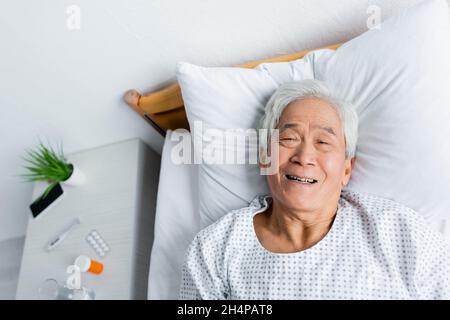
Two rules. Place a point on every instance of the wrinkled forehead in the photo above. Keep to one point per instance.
(313, 113)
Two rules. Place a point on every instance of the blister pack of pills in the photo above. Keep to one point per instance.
(97, 243)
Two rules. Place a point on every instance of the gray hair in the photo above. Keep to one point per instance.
(297, 90)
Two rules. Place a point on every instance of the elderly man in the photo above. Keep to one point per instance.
(309, 239)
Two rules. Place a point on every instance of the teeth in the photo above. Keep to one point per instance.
(300, 179)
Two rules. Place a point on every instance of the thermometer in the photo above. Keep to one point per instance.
(62, 235)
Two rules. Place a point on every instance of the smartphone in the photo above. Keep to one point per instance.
(42, 203)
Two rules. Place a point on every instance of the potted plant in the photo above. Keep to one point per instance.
(45, 164)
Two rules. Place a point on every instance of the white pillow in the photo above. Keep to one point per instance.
(398, 77)
(231, 98)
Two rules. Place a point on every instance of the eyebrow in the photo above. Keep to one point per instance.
(293, 125)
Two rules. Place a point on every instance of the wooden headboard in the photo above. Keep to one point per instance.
(164, 109)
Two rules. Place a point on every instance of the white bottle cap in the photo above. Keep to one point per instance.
(83, 262)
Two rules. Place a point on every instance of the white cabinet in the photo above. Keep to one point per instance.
(118, 200)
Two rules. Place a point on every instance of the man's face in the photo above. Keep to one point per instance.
(311, 145)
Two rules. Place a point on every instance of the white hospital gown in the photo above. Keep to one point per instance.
(375, 249)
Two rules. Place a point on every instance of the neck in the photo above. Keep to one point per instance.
(298, 229)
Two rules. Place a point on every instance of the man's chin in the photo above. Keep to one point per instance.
(299, 201)
(300, 193)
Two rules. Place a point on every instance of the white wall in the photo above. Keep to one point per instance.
(57, 83)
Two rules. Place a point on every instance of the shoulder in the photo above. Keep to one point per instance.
(371, 202)
(395, 221)
(379, 208)
(402, 238)
(228, 229)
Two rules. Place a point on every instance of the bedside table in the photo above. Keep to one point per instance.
(118, 200)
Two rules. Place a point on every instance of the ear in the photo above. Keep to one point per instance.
(263, 158)
(349, 163)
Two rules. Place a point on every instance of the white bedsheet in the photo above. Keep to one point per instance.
(176, 223)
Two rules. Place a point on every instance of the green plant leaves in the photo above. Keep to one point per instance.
(45, 164)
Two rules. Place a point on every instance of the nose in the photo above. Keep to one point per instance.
(304, 154)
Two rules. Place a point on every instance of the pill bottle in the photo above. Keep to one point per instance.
(86, 264)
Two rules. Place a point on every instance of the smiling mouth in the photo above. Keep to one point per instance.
(304, 180)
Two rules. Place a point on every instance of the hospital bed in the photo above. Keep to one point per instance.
(177, 212)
